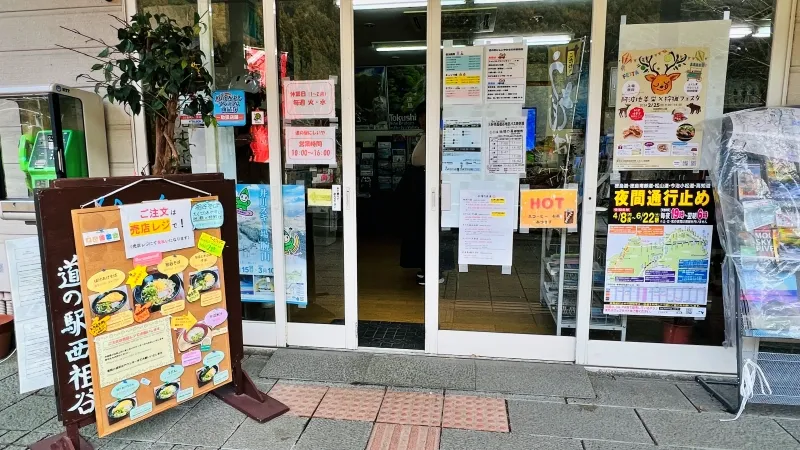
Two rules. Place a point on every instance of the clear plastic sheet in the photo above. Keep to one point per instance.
(753, 158)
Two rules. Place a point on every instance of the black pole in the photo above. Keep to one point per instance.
(59, 157)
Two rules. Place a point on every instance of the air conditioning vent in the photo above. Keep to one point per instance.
(459, 21)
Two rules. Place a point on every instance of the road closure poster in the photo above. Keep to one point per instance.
(659, 249)
(661, 98)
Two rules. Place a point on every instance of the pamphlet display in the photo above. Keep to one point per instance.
(659, 249)
(486, 228)
(254, 221)
(463, 76)
(156, 320)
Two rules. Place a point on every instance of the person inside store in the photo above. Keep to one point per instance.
(411, 195)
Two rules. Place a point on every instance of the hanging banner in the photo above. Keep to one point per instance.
(506, 145)
(256, 273)
(461, 145)
(157, 333)
(661, 99)
(315, 99)
(548, 208)
(230, 108)
(486, 227)
(406, 88)
(564, 72)
(659, 249)
(506, 68)
(463, 76)
(310, 145)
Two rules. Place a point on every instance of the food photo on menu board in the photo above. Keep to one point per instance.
(155, 307)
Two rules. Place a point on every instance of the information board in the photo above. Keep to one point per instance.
(157, 323)
(659, 249)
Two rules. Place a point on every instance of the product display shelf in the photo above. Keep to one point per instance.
(559, 293)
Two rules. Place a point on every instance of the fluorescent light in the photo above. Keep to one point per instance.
(486, 2)
(740, 32)
(391, 4)
(401, 48)
(763, 32)
(536, 39)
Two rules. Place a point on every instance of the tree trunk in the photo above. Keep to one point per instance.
(166, 153)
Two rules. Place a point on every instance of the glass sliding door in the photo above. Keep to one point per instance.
(506, 178)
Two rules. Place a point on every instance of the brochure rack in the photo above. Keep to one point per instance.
(754, 158)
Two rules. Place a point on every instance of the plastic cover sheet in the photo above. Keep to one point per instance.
(754, 161)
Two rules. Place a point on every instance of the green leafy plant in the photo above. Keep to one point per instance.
(155, 68)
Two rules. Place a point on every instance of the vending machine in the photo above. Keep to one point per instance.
(59, 132)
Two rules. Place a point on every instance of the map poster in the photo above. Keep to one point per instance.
(659, 249)
(661, 99)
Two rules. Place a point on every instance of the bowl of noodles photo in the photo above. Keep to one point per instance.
(206, 375)
(158, 289)
(204, 280)
(193, 337)
(110, 302)
(166, 392)
(120, 409)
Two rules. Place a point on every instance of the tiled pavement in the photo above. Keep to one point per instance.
(361, 401)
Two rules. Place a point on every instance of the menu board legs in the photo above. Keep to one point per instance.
(249, 400)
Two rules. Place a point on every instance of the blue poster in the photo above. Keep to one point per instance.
(230, 108)
(256, 273)
(530, 132)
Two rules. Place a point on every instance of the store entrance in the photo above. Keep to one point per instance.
(389, 93)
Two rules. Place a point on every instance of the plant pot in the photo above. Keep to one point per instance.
(677, 334)
(6, 332)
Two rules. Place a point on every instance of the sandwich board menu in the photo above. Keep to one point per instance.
(156, 321)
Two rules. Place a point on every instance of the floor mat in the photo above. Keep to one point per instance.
(409, 336)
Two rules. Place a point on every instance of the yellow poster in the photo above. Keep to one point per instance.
(660, 106)
(319, 197)
(548, 208)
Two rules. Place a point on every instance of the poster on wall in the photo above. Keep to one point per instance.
(506, 145)
(659, 249)
(548, 208)
(486, 227)
(461, 145)
(406, 87)
(372, 103)
(463, 76)
(564, 73)
(310, 145)
(309, 99)
(506, 68)
(256, 270)
(156, 323)
(230, 108)
(661, 102)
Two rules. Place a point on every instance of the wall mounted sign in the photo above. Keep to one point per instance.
(548, 208)
(313, 99)
(230, 108)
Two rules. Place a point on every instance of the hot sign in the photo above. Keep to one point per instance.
(548, 208)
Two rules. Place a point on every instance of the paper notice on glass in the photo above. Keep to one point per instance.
(132, 351)
(506, 145)
(30, 314)
(486, 227)
(310, 145)
(461, 145)
(463, 73)
(160, 226)
(505, 73)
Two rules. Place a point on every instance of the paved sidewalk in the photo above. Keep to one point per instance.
(358, 401)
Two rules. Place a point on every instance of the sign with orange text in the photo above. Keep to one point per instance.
(548, 208)
(159, 226)
(661, 99)
(310, 145)
(312, 99)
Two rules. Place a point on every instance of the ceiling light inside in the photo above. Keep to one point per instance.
(390, 4)
(740, 31)
(762, 32)
(536, 39)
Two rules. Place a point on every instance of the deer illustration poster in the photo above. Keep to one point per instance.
(660, 107)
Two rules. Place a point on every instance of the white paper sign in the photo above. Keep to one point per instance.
(505, 73)
(486, 227)
(160, 226)
(30, 314)
(336, 197)
(310, 145)
(314, 99)
(463, 76)
(506, 145)
(461, 145)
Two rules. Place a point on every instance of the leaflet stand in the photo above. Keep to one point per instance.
(54, 206)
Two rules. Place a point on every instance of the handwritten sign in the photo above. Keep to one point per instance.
(207, 215)
(160, 226)
(314, 99)
(211, 244)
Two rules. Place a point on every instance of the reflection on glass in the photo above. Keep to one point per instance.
(537, 292)
(308, 49)
(745, 87)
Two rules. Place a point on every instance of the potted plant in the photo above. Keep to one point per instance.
(678, 330)
(156, 67)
